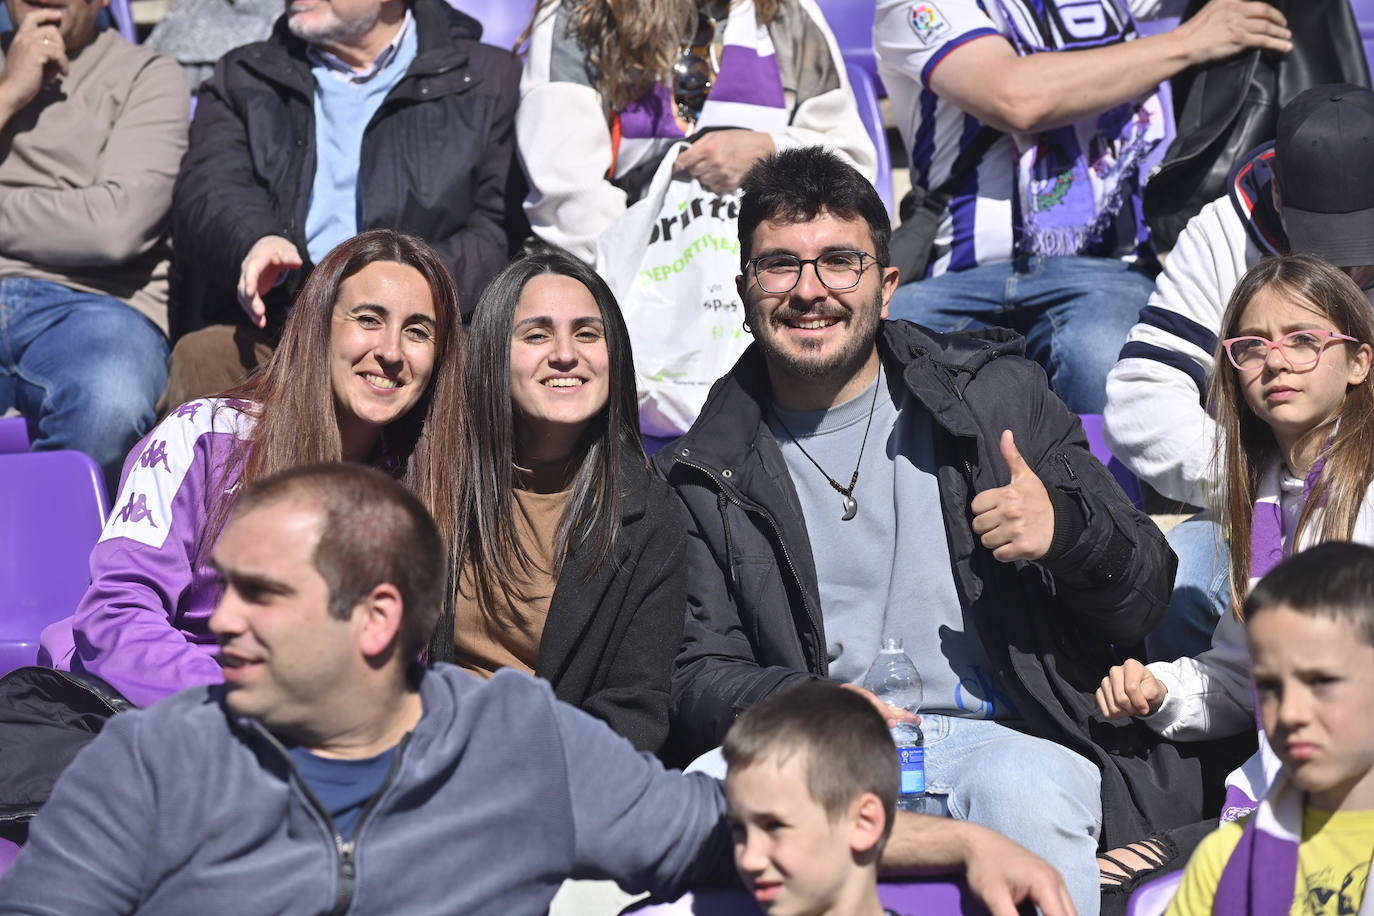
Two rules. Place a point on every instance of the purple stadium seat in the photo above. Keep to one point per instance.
(52, 507)
(123, 16)
(852, 23)
(1152, 898)
(936, 896)
(502, 20)
(1092, 426)
(14, 435)
(864, 86)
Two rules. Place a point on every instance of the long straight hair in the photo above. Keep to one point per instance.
(489, 542)
(631, 45)
(1246, 445)
(291, 398)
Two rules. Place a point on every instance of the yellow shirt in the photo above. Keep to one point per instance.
(1333, 865)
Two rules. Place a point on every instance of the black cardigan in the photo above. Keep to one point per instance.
(613, 630)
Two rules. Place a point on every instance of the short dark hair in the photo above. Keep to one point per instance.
(845, 745)
(1334, 580)
(372, 530)
(795, 185)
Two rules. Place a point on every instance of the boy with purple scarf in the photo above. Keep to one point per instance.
(1307, 848)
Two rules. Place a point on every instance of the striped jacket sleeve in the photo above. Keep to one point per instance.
(1156, 421)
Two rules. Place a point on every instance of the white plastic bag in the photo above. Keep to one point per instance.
(672, 260)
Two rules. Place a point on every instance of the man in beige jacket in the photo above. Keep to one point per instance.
(92, 130)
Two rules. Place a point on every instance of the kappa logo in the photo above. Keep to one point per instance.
(155, 453)
(187, 411)
(929, 24)
(136, 510)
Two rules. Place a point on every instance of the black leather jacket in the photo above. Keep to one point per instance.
(754, 618)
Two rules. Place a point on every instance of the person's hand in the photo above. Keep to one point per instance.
(892, 714)
(1130, 690)
(1004, 874)
(270, 257)
(1016, 522)
(721, 158)
(37, 56)
(1226, 27)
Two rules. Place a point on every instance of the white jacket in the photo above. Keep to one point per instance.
(1155, 420)
(564, 136)
(1210, 696)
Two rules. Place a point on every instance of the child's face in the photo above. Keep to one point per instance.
(1292, 401)
(1314, 678)
(792, 857)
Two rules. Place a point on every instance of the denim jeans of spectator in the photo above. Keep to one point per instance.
(1074, 312)
(1202, 591)
(1042, 795)
(84, 369)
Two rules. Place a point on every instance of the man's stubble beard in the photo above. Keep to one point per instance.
(850, 358)
(334, 31)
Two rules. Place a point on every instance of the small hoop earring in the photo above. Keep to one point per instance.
(748, 330)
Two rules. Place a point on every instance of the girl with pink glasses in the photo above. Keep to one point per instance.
(1295, 460)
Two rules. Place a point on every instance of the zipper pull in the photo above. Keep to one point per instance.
(1068, 467)
(346, 867)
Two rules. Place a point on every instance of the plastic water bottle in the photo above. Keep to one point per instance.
(893, 679)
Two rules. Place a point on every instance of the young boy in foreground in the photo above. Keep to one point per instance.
(1307, 849)
(812, 785)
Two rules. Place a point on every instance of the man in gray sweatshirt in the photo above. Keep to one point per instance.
(332, 773)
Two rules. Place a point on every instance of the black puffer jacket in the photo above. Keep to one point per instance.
(754, 616)
(434, 163)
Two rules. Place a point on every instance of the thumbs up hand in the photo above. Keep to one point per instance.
(1016, 522)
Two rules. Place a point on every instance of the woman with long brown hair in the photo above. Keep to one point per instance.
(368, 370)
(611, 85)
(571, 559)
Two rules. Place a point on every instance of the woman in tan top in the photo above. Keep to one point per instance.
(571, 555)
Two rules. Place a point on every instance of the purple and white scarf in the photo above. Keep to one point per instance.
(1249, 783)
(1267, 549)
(747, 92)
(1262, 873)
(1073, 179)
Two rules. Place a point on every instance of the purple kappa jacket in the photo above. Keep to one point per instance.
(142, 625)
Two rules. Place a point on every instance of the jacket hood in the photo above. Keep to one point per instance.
(1251, 189)
(729, 420)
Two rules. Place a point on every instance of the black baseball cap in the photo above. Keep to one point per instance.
(1324, 162)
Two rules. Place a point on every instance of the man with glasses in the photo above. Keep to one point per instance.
(1309, 192)
(854, 478)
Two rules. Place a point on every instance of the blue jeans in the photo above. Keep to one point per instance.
(84, 369)
(1074, 312)
(1031, 790)
(1202, 591)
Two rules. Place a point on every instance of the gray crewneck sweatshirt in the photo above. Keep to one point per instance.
(887, 571)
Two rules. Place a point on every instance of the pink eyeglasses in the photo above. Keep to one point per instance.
(1302, 349)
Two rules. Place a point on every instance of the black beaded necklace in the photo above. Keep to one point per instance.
(850, 504)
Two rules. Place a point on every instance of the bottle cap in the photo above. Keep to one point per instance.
(892, 644)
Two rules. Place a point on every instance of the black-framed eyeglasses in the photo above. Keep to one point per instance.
(837, 270)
